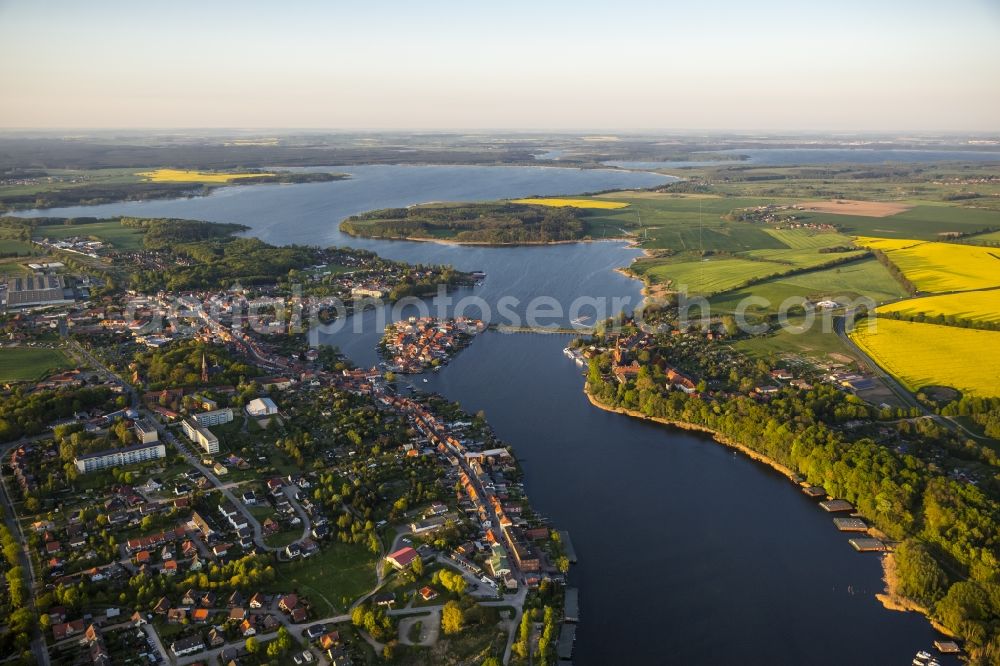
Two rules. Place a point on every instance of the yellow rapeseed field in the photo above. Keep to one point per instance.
(971, 305)
(575, 203)
(184, 176)
(922, 355)
(936, 267)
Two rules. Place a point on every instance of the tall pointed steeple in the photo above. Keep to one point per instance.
(204, 369)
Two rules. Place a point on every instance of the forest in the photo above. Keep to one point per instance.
(486, 223)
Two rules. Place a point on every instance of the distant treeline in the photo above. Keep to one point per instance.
(53, 153)
(99, 193)
(488, 223)
(84, 195)
(941, 319)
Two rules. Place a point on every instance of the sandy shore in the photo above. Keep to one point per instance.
(892, 599)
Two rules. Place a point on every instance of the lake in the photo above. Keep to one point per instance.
(310, 213)
(795, 156)
(688, 553)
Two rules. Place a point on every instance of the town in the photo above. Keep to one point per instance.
(186, 480)
(414, 345)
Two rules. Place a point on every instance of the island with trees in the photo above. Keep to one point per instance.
(496, 223)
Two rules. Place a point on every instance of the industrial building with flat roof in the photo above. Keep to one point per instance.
(130, 455)
(24, 291)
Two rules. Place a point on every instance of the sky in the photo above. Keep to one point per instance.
(875, 65)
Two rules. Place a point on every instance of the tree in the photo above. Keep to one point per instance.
(252, 645)
(920, 576)
(283, 640)
(452, 618)
(418, 567)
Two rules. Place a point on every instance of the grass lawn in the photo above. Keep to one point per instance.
(331, 579)
(813, 343)
(24, 364)
(284, 537)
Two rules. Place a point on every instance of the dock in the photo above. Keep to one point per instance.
(850, 524)
(567, 546)
(836, 505)
(571, 605)
(567, 637)
(867, 545)
(947, 647)
(814, 491)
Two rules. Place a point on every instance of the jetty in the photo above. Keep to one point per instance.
(551, 330)
(868, 545)
(947, 647)
(571, 605)
(814, 491)
(836, 505)
(567, 637)
(567, 546)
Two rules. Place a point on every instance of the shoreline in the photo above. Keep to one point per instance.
(890, 598)
(694, 427)
(447, 241)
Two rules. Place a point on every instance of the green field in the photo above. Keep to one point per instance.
(711, 275)
(124, 238)
(25, 364)
(10, 246)
(986, 239)
(331, 579)
(924, 222)
(799, 249)
(62, 179)
(807, 239)
(864, 278)
(15, 265)
(682, 223)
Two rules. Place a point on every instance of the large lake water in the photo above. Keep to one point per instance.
(796, 156)
(689, 554)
